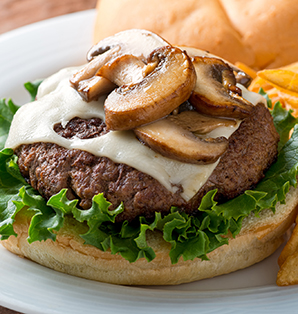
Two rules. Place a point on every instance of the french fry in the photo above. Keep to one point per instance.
(257, 83)
(290, 248)
(284, 80)
(288, 101)
(288, 273)
(280, 85)
(292, 67)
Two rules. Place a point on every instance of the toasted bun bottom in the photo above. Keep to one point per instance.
(259, 238)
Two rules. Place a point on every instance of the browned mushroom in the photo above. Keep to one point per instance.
(88, 86)
(173, 141)
(198, 123)
(91, 89)
(216, 93)
(138, 42)
(241, 77)
(157, 95)
(135, 42)
(125, 70)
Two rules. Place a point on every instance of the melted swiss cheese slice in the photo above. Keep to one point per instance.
(58, 102)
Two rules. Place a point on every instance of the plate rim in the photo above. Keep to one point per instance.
(268, 291)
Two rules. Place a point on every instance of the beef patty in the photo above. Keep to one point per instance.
(50, 168)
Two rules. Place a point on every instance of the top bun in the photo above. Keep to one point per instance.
(259, 33)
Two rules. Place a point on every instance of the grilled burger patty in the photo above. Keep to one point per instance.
(49, 168)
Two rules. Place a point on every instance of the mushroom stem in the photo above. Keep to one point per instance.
(91, 89)
(91, 68)
(124, 70)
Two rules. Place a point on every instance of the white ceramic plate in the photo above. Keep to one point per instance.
(36, 51)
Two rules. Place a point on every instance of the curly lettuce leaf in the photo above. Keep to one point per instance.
(189, 237)
(265, 95)
(32, 88)
(11, 182)
(284, 122)
(7, 111)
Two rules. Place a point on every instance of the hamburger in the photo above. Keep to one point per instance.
(177, 175)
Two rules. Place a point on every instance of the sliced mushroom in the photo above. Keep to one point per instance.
(241, 77)
(91, 89)
(136, 42)
(216, 93)
(157, 95)
(172, 141)
(91, 68)
(124, 70)
(198, 123)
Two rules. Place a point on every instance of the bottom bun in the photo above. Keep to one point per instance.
(259, 237)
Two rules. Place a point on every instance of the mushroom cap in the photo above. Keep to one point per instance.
(216, 92)
(157, 95)
(170, 139)
(136, 42)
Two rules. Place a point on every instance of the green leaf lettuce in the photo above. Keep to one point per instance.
(189, 237)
